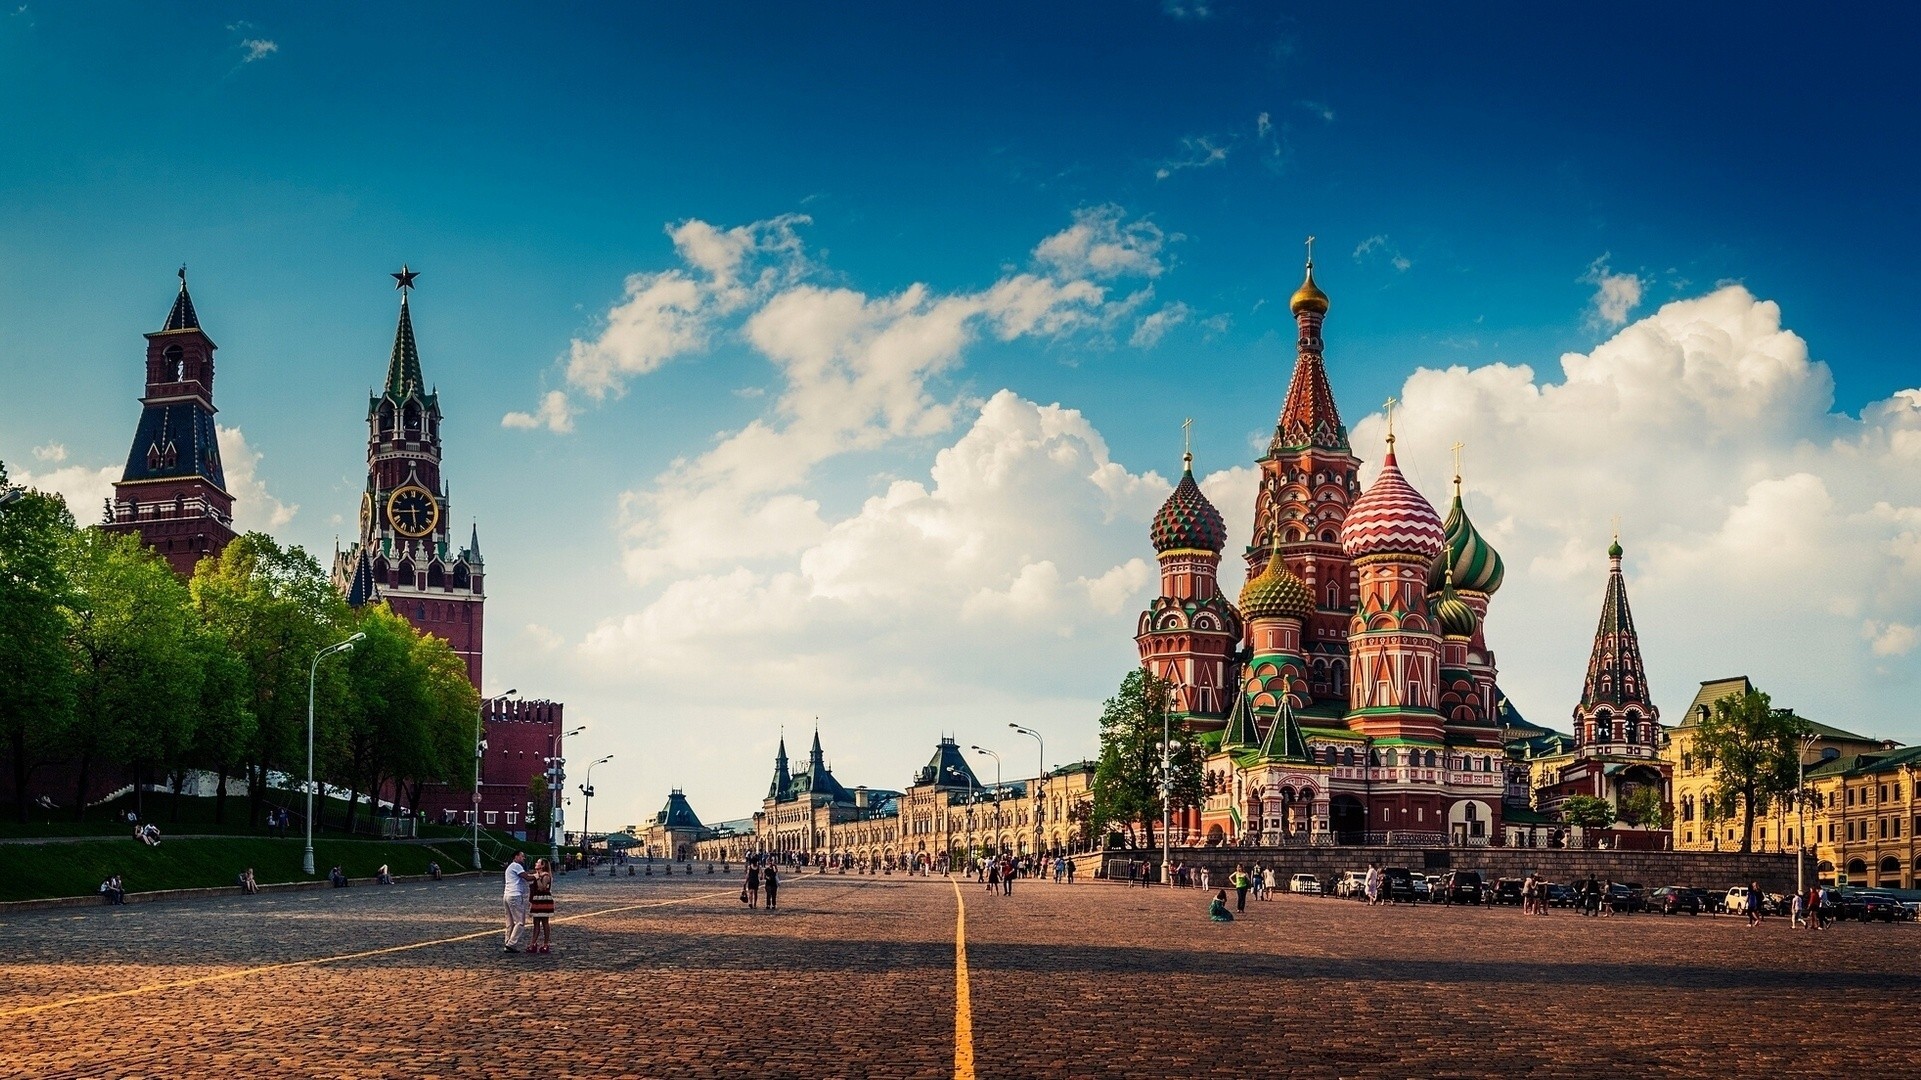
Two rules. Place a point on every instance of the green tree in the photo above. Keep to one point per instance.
(1587, 812)
(539, 799)
(1751, 750)
(1644, 807)
(137, 677)
(1127, 780)
(383, 700)
(226, 724)
(276, 609)
(442, 750)
(36, 679)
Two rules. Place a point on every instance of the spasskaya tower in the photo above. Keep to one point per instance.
(405, 554)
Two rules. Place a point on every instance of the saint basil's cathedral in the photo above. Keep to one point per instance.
(1350, 696)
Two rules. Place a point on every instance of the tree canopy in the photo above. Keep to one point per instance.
(1752, 752)
(1128, 778)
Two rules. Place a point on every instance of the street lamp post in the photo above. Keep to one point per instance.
(313, 670)
(556, 780)
(1167, 803)
(480, 748)
(1801, 811)
(969, 777)
(587, 804)
(997, 797)
(1040, 779)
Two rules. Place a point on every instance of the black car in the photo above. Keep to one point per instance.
(1461, 887)
(1507, 890)
(1677, 900)
(1397, 886)
(1864, 905)
(1559, 895)
(1626, 897)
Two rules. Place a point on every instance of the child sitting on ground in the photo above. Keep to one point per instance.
(1218, 909)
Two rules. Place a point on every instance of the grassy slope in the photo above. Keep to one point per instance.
(36, 871)
(195, 817)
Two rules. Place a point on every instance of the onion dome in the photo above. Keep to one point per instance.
(1187, 520)
(1309, 296)
(1475, 564)
(1392, 518)
(1457, 619)
(1614, 549)
(1276, 592)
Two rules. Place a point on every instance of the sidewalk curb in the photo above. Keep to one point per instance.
(160, 895)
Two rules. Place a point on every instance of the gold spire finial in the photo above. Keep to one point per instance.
(1309, 297)
(1310, 252)
(1389, 409)
(1187, 444)
(1457, 448)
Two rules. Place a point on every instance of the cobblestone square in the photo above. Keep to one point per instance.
(855, 977)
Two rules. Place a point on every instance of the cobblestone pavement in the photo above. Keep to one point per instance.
(855, 977)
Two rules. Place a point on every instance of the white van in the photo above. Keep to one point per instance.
(1304, 883)
(1352, 884)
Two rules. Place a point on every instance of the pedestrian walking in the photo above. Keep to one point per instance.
(1799, 909)
(1007, 876)
(1267, 884)
(771, 882)
(1070, 871)
(1240, 883)
(751, 890)
(1754, 904)
(514, 893)
(540, 906)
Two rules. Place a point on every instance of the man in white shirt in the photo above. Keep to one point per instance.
(515, 896)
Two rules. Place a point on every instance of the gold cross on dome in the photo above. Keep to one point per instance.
(1388, 408)
(1617, 528)
(1457, 448)
(1310, 251)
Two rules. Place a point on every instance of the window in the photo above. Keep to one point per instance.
(512, 817)
(490, 817)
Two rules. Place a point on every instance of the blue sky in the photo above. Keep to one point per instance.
(1499, 187)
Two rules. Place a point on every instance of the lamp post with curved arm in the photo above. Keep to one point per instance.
(1040, 779)
(969, 777)
(997, 796)
(480, 748)
(313, 670)
(556, 782)
(587, 804)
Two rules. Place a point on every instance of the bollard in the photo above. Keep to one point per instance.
(710, 868)
(630, 869)
(650, 869)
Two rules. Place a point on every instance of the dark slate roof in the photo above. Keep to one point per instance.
(175, 440)
(362, 589)
(1713, 690)
(782, 787)
(182, 317)
(1867, 764)
(678, 814)
(947, 754)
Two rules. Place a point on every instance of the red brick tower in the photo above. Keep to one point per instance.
(1616, 716)
(173, 493)
(1308, 479)
(405, 554)
(1188, 634)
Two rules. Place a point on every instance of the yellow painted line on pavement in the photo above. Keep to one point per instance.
(963, 1005)
(178, 984)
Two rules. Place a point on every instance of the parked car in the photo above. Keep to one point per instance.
(1397, 886)
(1351, 885)
(1461, 887)
(1870, 905)
(1677, 900)
(1433, 888)
(1423, 891)
(1559, 895)
(1507, 890)
(1304, 883)
(1626, 897)
(1735, 901)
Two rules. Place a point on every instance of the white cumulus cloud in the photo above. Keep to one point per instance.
(1616, 295)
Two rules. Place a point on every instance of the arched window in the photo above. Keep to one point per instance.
(170, 367)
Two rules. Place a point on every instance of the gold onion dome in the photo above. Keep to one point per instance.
(1187, 521)
(1309, 296)
(1456, 618)
(1476, 565)
(1276, 592)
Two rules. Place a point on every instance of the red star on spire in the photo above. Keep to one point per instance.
(405, 279)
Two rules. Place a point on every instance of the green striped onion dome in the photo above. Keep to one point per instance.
(1187, 520)
(1276, 593)
(1477, 566)
(1456, 618)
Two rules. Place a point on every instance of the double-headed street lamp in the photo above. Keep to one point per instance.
(480, 749)
(969, 777)
(1801, 809)
(997, 796)
(1040, 779)
(587, 806)
(306, 859)
(556, 782)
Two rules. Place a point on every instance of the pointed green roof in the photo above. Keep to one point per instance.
(1240, 732)
(403, 369)
(1284, 741)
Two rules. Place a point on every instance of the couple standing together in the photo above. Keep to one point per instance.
(758, 879)
(529, 893)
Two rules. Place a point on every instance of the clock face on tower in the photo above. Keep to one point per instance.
(413, 511)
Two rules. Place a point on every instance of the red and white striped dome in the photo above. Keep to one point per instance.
(1392, 517)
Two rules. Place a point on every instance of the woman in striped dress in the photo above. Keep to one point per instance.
(541, 906)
